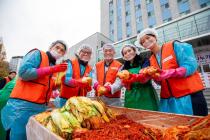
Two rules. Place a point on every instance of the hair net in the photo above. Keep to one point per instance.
(58, 41)
(84, 46)
(128, 45)
(147, 31)
(108, 45)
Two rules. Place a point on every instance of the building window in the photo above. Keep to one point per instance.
(127, 24)
(139, 24)
(149, 1)
(128, 17)
(119, 20)
(111, 21)
(204, 3)
(162, 2)
(184, 7)
(151, 21)
(166, 13)
(150, 13)
(137, 2)
(150, 7)
(167, 20)
(137, 7)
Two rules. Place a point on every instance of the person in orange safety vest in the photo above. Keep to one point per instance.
(181, 85)
(33, 89)
(104, 75)
(78, 69)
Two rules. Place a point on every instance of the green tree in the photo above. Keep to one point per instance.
(4, 69)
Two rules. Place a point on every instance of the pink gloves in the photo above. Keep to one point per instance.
(55, 93)
(171, 73)
(51, 69)
(79, 83)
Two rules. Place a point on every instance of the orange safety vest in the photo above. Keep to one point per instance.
(175, 87)
(68, 91)
(7, 80)
(109, 76)
(37, 91)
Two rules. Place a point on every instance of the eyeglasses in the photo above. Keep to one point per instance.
(86, 52)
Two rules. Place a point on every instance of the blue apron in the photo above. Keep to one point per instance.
(16, 114)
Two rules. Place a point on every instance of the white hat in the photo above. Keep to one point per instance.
(108, 46)
(128, 45)
(84, 46)
(147, 31)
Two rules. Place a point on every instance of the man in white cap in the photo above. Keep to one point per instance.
(71, 82)
(104, 75)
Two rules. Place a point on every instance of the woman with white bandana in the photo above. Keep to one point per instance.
(71, 82)
(33, 89)
(181, 85)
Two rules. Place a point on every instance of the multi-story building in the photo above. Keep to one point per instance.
(192, 26)
(96, 41)
(121, 19)
(15, 63)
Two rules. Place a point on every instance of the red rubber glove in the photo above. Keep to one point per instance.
(171, 73)
(78, 83)
(101, 90)
(141, 78)
(95, 87)
(108, 89)
(51, 69)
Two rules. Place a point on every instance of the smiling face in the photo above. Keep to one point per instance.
(85, 55)
(148, 41)
(59, 48)
(108, 54)
(12, 75)
(128, 53)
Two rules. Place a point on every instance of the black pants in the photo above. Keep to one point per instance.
(199, 104)
(7, 135)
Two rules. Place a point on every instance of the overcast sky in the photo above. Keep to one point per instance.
(28, 24)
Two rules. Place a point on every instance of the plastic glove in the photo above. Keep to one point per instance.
(123, 74)
(55, 93)
(127, 82)
(51, 69)
(103, 90)
(150, 71)
(79, 83)
(171, 73)
(95, 86)
(141, 78)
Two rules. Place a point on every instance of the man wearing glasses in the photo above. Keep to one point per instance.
(72, 83)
